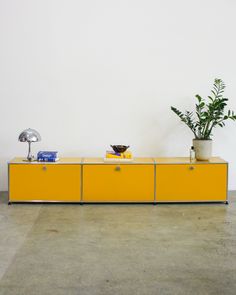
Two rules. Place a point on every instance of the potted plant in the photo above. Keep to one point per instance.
(209, 114)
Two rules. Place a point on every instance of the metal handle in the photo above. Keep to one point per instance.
(44, 168)
(191, 168)
(117, 168)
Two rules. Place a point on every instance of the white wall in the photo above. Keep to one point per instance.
(87, 74)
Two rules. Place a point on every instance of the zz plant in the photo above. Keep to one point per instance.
(210, 113)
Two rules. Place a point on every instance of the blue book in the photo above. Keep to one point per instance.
(47, 156)
(48, 159)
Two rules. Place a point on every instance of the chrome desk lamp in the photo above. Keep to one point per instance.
(29, 135)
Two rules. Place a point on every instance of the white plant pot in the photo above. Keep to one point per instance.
(203, 149)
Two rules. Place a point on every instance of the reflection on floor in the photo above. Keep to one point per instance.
(117, 249)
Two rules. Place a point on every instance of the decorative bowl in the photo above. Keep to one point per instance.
(119, 148)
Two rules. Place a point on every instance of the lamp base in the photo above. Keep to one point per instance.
(30, 159)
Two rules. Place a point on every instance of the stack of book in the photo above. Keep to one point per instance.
(47, 156)
(113, 156)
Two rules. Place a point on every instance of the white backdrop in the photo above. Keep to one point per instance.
(87, 74)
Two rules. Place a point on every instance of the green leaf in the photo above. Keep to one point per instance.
(198, 97)
(210, 98)
(214, 92)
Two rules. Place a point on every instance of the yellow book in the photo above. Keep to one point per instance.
(125, 155)
(113, 156)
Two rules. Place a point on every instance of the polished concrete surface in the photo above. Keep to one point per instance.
(118, 249)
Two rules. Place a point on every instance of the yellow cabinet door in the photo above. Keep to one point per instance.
(118, 183)
(44, 182)
(191, 183)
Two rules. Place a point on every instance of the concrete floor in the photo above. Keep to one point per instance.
(117, 249)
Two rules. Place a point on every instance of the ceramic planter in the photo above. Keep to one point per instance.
(203, 149)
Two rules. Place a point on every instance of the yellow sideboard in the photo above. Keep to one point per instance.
(144, 180)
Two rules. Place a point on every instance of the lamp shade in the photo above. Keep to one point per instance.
(29, 135)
